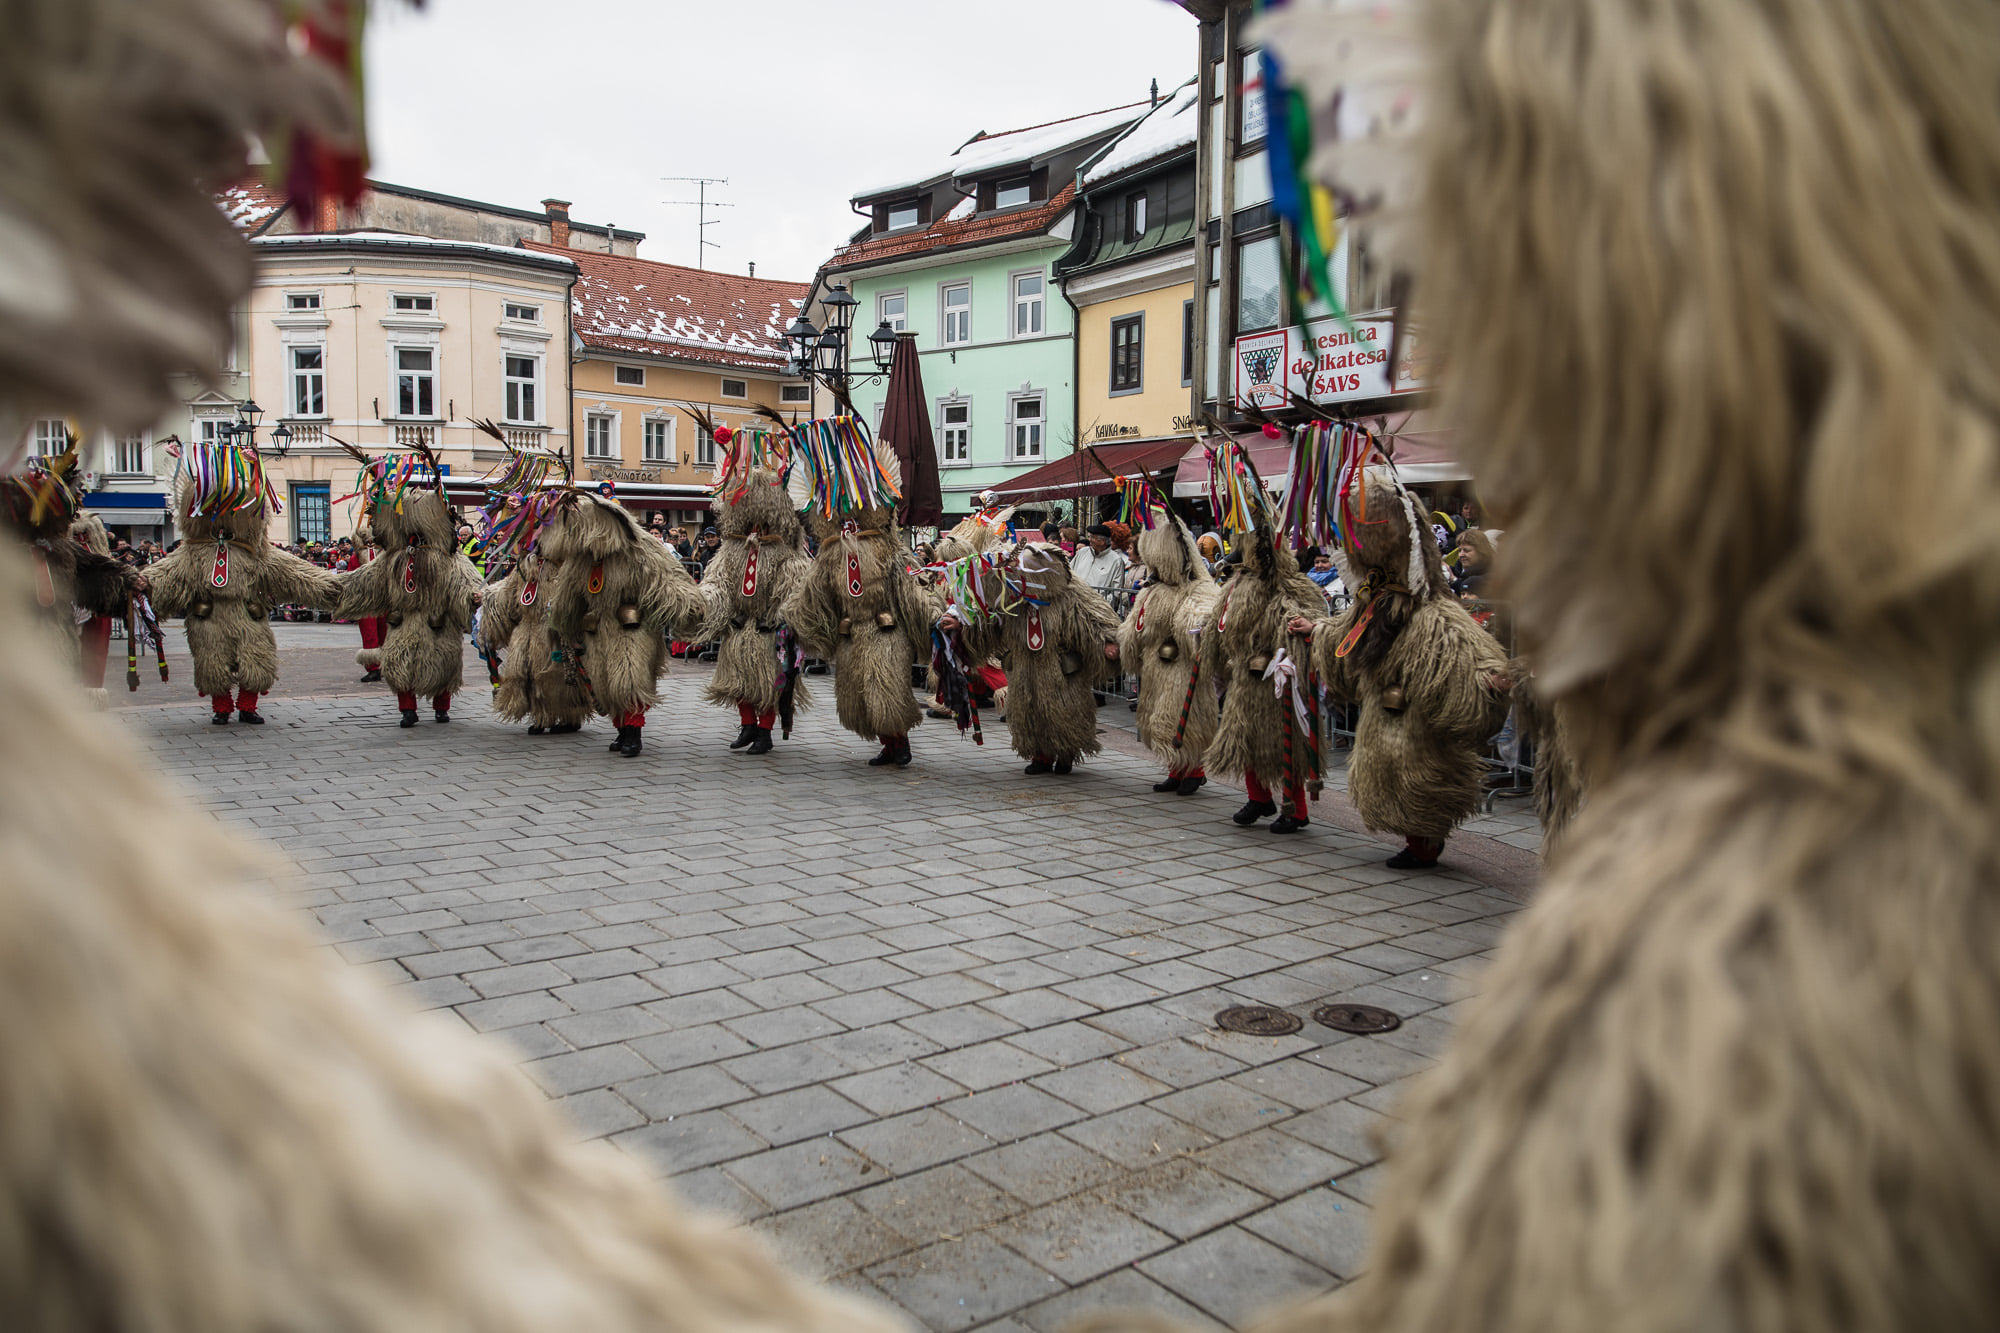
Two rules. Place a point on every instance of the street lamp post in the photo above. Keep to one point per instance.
(821, 356)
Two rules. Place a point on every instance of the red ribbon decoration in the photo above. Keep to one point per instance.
(750, 574)
(596, 579)
(528, 593)
(218, 576)
(1034, 629)
(853, 573)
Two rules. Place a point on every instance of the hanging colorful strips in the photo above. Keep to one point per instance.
(840, 463)
(1139, 503)
(1236, 495)
(1327, 499)
(751, 449)
(519, 502)
(227, 479)
(983, 587)
(1296, 197)
(41, 490)
(386, 480)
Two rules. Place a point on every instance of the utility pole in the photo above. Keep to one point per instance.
(701, 206)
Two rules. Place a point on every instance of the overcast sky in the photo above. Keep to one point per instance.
(797, 102)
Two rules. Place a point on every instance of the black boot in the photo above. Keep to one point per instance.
(442, 715)
(1288, 823)
(901, 759)
(744, 736)
(252, 718)
(1253, 811)
(1191, 785)
(374, 674)
(1171, 783)
(1063, 765)
(565, 728)
(537, 731)
(760, 743)
(409, 718)
(1037, 766)
(888, 755)
(628, 741)
(219, 720)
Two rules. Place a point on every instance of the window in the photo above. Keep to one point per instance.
(1013, 193)
(1027, 304)
(415, 305)
(308, 381)
(1025, 425)
(1259, 286)
(1135, 216)
(1187, 343)
(51, 437)
(312, 511)
(301, 300)
(212, 428)
(1251, 98)
(795, 393)
(903, 214)
(735, 389)
(1127, 345)
(531, 313)
(957, 314)
(522, 372)
(955, 433)
(895, 308)
(635, 375)
(704, 448)
(597, 435)
(416, 382)
(658, 442)
(128, 455)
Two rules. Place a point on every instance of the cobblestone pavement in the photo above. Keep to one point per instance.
(944, 1035)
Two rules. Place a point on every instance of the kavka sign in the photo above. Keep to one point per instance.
(1339, 366)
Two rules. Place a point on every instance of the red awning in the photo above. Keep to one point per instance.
(1423, 451)
(1078, 475)
(1271, 458)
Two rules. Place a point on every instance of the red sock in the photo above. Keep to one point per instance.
(407, 702)
(442, 702)
(635, 718)
(1256, 790)
(371, 632)
(744, 712)
(246, 701)
(767, 717)
(222, 704)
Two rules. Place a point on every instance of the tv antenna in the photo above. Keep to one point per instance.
(701, 204)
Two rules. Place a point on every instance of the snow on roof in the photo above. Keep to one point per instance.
(401, 238)
(250, 204)
(640, 305)
(1168, 128)
(1011, 146)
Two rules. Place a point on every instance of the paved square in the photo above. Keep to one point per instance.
(943, 1035)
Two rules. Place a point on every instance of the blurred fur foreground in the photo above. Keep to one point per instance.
(210, 1125)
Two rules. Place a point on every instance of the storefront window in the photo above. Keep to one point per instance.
(1260, 284)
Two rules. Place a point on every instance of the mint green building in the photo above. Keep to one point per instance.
(963, 258)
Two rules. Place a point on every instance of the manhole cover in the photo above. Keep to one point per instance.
(1258, 1021)
(1356, 1018)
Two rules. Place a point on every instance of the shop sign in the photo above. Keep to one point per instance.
(1328, 363)
(624, 474)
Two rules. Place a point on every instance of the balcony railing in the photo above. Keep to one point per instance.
(526, 437)
(412, 437)
(307, 434)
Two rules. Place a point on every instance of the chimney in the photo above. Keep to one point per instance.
(753, 268)
(328, 218)
(558, 210)
(1154, 98)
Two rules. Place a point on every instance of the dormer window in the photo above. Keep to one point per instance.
(902, 214)
(1013, 192)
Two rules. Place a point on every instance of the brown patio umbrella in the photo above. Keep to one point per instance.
(906, 425)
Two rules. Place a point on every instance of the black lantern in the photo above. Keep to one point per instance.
(882, 345)
(248, 414)
(840, 309)
(281, 440)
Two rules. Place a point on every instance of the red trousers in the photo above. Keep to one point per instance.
(408, 702)
(96, 647)
(371, 632)
(1196, 771)
(245, 702)
(752, 718)
(1295, 794)
(635, 718)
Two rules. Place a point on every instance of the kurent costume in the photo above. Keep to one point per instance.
(225, 577)
(758, 660)
(536, 682)
(39, 504)
(1159, 642)
(1051, 633)
(370, 658)
(1432, 685)
(860, 606)
(94, 634)
(420, 586)
(616, 595)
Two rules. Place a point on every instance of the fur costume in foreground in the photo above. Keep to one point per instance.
(534, 683)
(211, 1122)
(94, 646)
(224, 578)
(760, 565)
(1735, 1067)
(1245, 631)
(1422, 670)
(616, 594)
(1159, 642)
(1054, 657)
(421, 587)
(38, 504)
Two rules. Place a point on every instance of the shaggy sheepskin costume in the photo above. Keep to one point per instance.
(536, 682)
(1432, 685)
(423, 590)
(224, 578)
(1735, 1067)
(616, 595)
(1159, 643)
(1239, 640)
(37, 508)
(861, 607)
(94, 634)
(1053, 647)
(760, 565)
